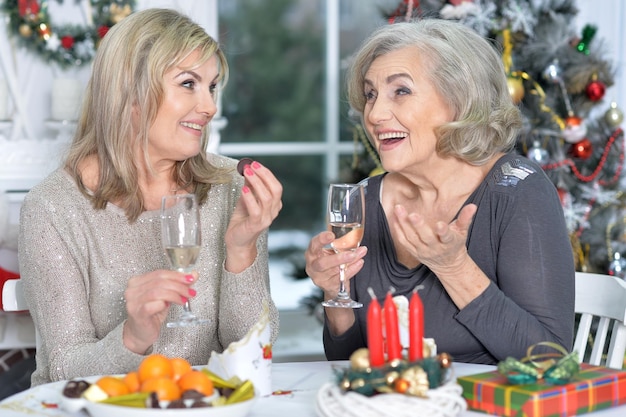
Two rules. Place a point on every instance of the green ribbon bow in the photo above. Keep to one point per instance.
(533, 368)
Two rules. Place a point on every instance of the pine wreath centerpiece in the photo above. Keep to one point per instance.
(65, 45)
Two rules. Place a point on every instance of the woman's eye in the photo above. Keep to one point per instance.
(189, 84)
(369, 95)
(402, 91)
(213, 89)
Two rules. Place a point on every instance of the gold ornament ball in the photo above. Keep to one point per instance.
(614, 116)
(25, 30)
(516, 89)
(360, 359)
(118, 12)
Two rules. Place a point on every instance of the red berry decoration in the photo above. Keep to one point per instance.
(595, 90)
(582, 149)
(67, 42)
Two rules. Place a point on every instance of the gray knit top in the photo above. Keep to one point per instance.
(75, 263)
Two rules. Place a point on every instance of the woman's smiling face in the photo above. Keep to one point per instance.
(187, 107)
(402, 109)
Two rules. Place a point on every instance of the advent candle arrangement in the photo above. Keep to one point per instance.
(388, 318)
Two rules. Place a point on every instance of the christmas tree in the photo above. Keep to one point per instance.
(558, 76)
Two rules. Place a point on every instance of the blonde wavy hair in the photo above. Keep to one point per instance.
(128, 71)
(468, 74)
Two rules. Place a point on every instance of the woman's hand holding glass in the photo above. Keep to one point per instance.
(148, 299)
(322, 264)
(327, 260)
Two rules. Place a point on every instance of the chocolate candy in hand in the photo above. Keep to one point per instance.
(242, 164)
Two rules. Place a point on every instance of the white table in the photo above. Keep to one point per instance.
(299, 380)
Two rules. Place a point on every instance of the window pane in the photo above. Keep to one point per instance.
(276, 93)
(303, 191)
(275, 52)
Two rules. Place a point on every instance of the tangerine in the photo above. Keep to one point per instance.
(180, 366)
(113, 386)
(131, 380)
(155, 365)
(164, 387)
(196, 380)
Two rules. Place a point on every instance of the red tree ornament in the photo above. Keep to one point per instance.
(595, 90)
(582, 149)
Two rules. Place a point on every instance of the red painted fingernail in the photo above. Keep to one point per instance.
(189, 278)
(192, 292)
(245, 189)
(183, 299)
(248, 171)
(256, 165)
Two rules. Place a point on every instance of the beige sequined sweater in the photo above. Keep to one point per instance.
(75, 262)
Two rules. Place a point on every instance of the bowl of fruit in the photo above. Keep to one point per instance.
(160, 387)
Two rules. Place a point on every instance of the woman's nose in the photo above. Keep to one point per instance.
(206, 104)
(378, 112)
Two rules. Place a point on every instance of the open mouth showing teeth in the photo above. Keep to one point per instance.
(191, 125)
(391, 136)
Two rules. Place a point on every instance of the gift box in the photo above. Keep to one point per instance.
(593, 388)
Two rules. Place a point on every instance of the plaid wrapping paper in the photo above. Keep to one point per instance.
(594, 388)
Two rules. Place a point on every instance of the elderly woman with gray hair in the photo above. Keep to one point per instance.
(478, 227)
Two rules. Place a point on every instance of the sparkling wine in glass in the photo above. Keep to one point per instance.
(346, 219)
(180, 227)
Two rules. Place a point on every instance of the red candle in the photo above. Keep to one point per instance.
(375, 331)
(416, 328)
(394, 348)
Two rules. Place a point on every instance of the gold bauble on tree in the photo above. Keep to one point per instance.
(119, 12)
(25, 30)
(516, 88)
(614, 116)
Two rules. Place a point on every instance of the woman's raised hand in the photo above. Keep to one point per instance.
(440, 247)
(255, 211)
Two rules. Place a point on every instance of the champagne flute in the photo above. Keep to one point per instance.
(346, 219)
(180, 227)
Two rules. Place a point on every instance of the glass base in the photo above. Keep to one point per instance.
(342, 303)
(186, 321)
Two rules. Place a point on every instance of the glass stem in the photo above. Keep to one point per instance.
(187, 305)
(342, 282)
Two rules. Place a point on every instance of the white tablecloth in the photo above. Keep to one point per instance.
(295, 386)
